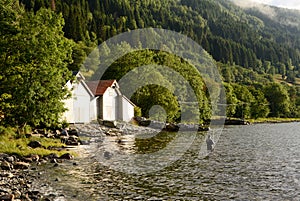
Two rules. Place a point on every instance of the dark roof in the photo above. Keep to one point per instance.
(99, 87)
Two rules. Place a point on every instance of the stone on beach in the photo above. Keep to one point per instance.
(34, 144)
(67, 156)
(21, 165)
(10, 159)
(6, 165)
(110, 124)
(8, 197)
(35, 157)
(53, 160)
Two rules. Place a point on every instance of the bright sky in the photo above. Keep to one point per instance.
(294, 4)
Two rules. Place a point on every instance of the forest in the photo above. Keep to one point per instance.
(42, 41)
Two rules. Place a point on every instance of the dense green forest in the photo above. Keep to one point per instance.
(231, 35)
(248, 45)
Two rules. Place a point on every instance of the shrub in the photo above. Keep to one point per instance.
(137, 111)
(7, 131)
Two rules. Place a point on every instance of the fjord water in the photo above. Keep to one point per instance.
(253, 162)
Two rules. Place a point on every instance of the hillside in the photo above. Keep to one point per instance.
(252, 44)
(246, 36)
(255, 48)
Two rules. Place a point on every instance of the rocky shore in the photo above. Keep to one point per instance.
(109, 128)
(18, 174)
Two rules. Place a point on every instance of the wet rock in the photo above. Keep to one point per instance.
(203, 128)
(35, 192)
(8, 197)
(73, 132)
(72, 140)
(53, 155)
(53, 160)
(108, 155)
(67, 156)
(138, 119)
(27, 160)
(7, 175)
(145, 123)
(34, 144)
(25, 197)
(139, 198)
(21, 165)
(57, 180)
(64, 139)
(57, 132)
(35, 157)
(110, 124)
(50, 135)
(112, 133)
(5, 190)
(17, 194)
(6, 165)
(171, 127)
(42, 161)
(10, 159)
(2, 155)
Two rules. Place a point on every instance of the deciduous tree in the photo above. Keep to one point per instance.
(33, 65)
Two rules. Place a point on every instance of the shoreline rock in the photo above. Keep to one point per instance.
(18, 173)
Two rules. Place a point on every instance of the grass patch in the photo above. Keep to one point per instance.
(274, 120)
(11, 143)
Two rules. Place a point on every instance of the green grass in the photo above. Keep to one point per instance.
(274, 120)
(11, 143)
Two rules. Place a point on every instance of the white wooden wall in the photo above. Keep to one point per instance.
(93, 109)
(127, 110)
(110, 102)
(81, 99)
(82, 107)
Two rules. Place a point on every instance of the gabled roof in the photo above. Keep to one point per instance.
(78, 75)
(99, 87)
(80, 78)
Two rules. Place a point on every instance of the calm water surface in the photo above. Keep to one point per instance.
(255, 162)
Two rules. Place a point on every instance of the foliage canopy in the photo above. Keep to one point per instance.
(33, 64)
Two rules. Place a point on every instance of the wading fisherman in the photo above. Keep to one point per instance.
(209, 143)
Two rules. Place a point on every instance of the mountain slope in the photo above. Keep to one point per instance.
(231, 34)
